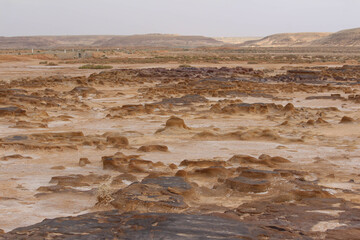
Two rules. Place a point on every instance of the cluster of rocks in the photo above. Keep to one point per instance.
(246, 197)
(173, 202)
(63, 141)
(344, 73)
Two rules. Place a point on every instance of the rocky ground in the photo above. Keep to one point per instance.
(182, 153)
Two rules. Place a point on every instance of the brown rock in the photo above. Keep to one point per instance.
(175, 122)
(289, 107)
(127, 177)
(158, 174)
(149, 196)
(240, 159)
(212, 172)
(78, 180)
(264, 159)
(346, 119)
(181, 173)
(173, 166)
(58, 168)
(14, 156)
(321, 121)
(153, 148)
(116, 139)
(115, 163)
(278, 159)
(11, 111)
(285, 123)
(202, 163)
(310, 122)
(123, 163)
(261, 174)
(83, 162)
(243, 184)
(264, 156)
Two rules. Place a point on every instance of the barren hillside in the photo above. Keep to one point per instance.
(349, 37)
(285, 39)
(164, 40)
(158, 40)
(236, 40)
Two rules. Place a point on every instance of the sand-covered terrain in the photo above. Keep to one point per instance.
(145, 152)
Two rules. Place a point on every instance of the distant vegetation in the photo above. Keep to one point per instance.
(51, 64)
(92, 66)
(44, 62)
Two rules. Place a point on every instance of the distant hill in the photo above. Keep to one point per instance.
(49, 41)
(151, 40)
(349, 38)
(158, 40)
(285, 40)
(236, 40)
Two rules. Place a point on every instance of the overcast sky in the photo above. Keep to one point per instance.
(186, 17)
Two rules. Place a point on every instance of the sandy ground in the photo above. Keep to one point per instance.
(324, 151)
(31, 68)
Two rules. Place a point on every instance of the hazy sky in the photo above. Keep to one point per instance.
(187, 17)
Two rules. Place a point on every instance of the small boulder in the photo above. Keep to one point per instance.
(244, 184)
(175, 122)
(153, 148)
(289, 107)
(346, 119)
(116, 139)
(83, 162)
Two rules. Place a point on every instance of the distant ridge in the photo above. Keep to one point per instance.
(149, 40)
(159, 40)
(344, 38)
(286, 39)
(236, 40)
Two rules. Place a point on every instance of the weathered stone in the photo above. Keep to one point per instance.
(346, 119)
(11, 111)
(243, 184)
(153, 148)
(262, 174)
(175, 122)
(147, 198)
(169, 182)
(112, 225)
(116, 139)
(83, 162)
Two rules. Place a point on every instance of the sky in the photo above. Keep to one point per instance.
(214, 18)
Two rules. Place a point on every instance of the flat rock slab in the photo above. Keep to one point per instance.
(112, 225)
(4, 111)
(318, 218)
(166, 182)
(147, 198)
(256, 173)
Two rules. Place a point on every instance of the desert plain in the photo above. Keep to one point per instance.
(207, 143)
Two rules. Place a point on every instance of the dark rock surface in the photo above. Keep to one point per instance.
(187, 99)
(12, 111)
(112, 225)
(301, 218)
(148, 198)
(166, 182)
